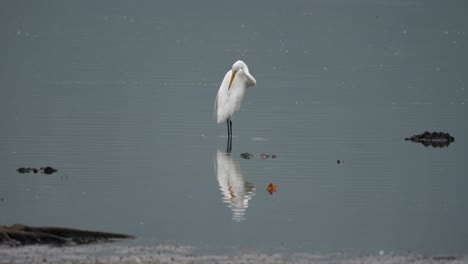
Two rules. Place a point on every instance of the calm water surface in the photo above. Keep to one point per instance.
(119, 98)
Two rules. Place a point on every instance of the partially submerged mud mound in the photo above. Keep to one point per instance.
(22, 235)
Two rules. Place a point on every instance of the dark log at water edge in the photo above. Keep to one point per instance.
(22, 235)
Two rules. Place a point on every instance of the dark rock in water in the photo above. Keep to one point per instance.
(21, 235)
(434, 139)
(46, 170)
(247, 155)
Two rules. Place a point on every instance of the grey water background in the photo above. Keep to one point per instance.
(119, 95)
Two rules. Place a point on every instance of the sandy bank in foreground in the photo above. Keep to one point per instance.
(179, 254)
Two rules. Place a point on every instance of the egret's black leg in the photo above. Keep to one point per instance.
(230, 142)
(228, 149)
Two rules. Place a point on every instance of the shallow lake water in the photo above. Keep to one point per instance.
(118, 97)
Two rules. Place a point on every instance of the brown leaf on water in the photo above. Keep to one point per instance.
(271, 188)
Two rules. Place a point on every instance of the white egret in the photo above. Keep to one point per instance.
(230, 95)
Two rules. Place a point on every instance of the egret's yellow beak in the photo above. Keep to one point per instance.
(232, 79)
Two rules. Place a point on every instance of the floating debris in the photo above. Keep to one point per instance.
(266, 156)
(247, 155)
(339, 161)
(25, 170)
(21, 235)
(48, 170)
(45, 170)
(434, 139)
(271, 188)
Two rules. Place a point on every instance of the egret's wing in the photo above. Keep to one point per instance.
(222, 98)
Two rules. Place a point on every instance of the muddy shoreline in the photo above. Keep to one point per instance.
(115, 253)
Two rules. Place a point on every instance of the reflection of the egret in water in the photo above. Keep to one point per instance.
(236, 191)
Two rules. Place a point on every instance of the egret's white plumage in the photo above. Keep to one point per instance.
(232, 89)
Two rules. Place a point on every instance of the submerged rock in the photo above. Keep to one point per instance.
(434, 139)
(22, 235)
(247, 155)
